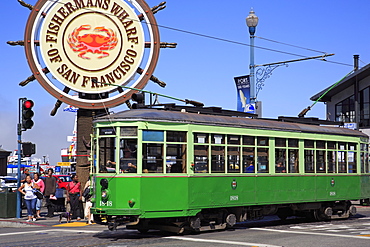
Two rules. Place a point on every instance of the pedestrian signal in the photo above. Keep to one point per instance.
(28, 149)
(27, 114)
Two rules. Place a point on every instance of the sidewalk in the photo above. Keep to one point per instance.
(41, 222)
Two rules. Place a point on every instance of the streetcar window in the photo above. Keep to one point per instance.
(262, 160)
(153, 135)
(248, 159)
(128, 131)
(320, 161)
(200, 138)
(218, 139)
(280, 142)
(331, 145)
(127, 154)
(262, 141)
(309, 144)
(280, 156)
(200, 158)
(320, 144)
(331, 161)
(248, 140)
(293, 143)
(352, 146)
(107, 148)
(217, 159)
(176, 158)
(152, 157)
(352, 162)
(233, 140)
(176, 136)
(342, 161)
(309, 161)
(293, 161)
(107, 131)
(342, 146)
(233, 160)
(362, 157)
(363, 147)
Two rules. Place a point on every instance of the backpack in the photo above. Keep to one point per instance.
(86, 194)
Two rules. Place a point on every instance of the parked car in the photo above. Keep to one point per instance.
(62, 181)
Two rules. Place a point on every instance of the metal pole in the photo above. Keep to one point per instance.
(19, 129)
(251, 67)
(356, 93)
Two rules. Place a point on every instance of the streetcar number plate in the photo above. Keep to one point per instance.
(234, 198)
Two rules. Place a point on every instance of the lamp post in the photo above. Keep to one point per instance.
(252, 21)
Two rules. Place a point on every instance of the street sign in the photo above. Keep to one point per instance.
(64, 163)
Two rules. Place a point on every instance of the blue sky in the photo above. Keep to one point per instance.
(201, 68)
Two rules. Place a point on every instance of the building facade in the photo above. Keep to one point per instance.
(348, 100)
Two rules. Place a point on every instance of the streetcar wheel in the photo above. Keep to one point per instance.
(284, 213)
(323, 214)
(195, 223)
(230, 220)
(112, 226)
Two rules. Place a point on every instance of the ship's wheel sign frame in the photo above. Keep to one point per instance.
(82, 46)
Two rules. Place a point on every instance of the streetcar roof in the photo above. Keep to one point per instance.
(155, 115)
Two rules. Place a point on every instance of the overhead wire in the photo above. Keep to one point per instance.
(271, 40)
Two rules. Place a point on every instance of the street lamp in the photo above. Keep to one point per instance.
(252, 21)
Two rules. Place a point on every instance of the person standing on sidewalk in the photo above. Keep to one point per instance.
(88, 203)
(27, 190)
(74, 197)
(40, 183)
(50, 189)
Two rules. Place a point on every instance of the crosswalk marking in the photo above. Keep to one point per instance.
(312, 233)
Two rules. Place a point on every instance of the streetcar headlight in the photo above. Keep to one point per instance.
(105, 195)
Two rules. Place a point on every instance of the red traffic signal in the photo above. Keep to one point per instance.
(27, 114)
(28, 104)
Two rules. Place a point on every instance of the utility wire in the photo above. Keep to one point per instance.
(362, 61)
(289, 44)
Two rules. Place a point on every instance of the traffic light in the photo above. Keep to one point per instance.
(28, 149)
(27, 114)
(140, 100)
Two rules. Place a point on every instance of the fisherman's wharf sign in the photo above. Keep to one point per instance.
(85, 46)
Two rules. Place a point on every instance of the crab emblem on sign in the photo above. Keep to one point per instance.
(92, 42)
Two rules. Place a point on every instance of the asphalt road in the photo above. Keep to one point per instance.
(268, 232)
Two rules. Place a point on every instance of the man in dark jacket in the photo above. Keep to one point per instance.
(49, 192)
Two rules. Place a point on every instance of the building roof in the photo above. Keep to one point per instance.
(345, 83)
(4, 151)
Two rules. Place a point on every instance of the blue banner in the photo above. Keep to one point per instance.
(243, 94)
(70, 109)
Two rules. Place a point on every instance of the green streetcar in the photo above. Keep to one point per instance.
(180, 171)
